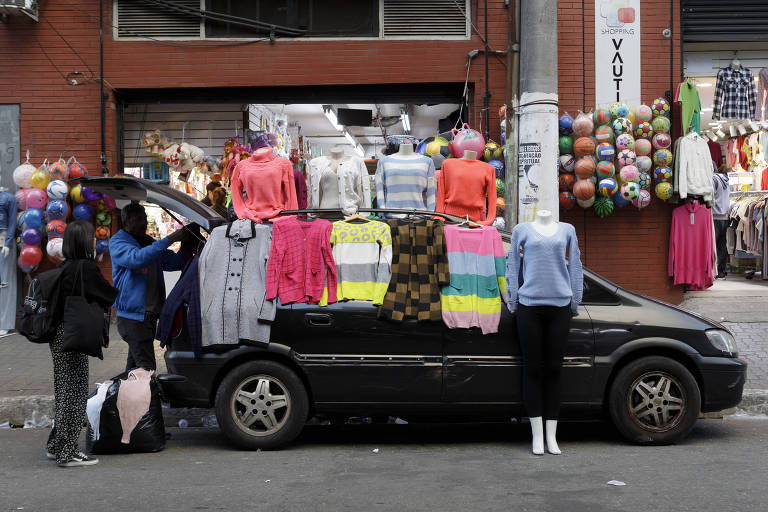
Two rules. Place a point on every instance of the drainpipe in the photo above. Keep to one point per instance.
(487, 95)
(104, 170)
(510, 145)
(537, 148)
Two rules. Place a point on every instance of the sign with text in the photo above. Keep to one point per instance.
(617, 52)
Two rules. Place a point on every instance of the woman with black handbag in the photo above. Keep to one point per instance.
(81, 283)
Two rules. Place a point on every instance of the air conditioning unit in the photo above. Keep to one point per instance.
(18, 8)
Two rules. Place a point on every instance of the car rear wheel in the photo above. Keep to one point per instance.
(261, 405)
(654, 400)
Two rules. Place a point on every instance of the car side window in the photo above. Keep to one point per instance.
(596, 294)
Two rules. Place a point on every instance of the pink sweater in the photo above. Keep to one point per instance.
(268, 184)
(691, 249)
(462, 189)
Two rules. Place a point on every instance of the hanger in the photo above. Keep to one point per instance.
(356, 216)
(469, 223)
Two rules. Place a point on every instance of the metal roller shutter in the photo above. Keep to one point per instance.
(425, 18)
(717, 20)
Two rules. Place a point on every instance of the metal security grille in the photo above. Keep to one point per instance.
(425, 18)
(142, 19)
(716, 20)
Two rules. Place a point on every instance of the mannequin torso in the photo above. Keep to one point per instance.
(405, 151)
(469, 155)
(329, 180)
(544, 224)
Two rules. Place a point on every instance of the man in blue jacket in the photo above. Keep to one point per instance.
(138, 262)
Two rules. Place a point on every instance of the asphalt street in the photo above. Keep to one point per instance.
(721, 466)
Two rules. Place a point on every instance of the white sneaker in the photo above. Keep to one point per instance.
(79, 459)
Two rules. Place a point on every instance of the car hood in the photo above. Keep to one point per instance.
(135, 189)
(708, 322)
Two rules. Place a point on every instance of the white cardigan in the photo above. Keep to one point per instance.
(695, 168)
(354, 183)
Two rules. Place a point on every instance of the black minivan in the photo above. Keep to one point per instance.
(650, 366)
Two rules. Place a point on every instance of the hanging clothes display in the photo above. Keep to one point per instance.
(720, 210)
(690, 107)
(268, 184)
(301, 262)
(406, 183)
(716, 152)
(351, 180)
(477, 264)
(363, 256)
(762, 95)
(8, 270)
(691, 246)
(735, 94)
(232, 273)
(693, 168)
(301, 189)
(186, 292)
(467, 188)
(419, 270)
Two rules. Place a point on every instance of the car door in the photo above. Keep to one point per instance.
(352, 356)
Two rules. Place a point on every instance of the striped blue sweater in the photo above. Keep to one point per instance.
(406, 183)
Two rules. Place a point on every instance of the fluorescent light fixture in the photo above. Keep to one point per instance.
(406, 120)
(331, 115)
(713, 124)
(742, 129)
(708, 109)
(350, 139)
(720, 133)
(704, 84)
(359, 151)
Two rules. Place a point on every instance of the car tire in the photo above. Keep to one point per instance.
(654, 401)
(261, 405)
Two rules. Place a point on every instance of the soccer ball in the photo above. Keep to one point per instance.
(565, 124)
(56, 209)
(661, 124)
(605, 169)
(433, 146)
(622, 125)
(630, 190)
(644, 163)
(625, 141)
(662, 158)
(604, 133)
(643, 147)
(55, 228)
(605, 151)
(601, 117)
(660, 107)
(626, 157)
(492, 151)
(499, 187)
(662, 174)
(619, 110)
(565, 144)
(83, 212)
(644, 114)
(662, 140)
(57, 189)
(102, 233)
(643, 199)
(644, 180)
(663, 190)
(586, 203)
(644, 131)
(608, 187)
(567, 162)
(567, 200)
(498, 168)
(629, 173)
(566, 182)
(55, 249)
(76, 194)
(58, 171)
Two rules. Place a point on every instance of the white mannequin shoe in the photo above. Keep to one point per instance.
(537, 429)
(552, 438)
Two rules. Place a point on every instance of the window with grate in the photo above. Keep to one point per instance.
(718, 21)
(144, 19)
(425, 18)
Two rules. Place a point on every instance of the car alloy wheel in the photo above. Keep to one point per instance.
(656, 401)
(260, 405)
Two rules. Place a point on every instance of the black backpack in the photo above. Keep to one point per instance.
(36, 318)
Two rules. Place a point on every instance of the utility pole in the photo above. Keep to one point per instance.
(538, 135)
(513, 92)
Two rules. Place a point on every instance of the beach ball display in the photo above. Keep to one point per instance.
(642, 200)
(104, 218)
(567, 200)
(660, 107)
(605, 151)
(55, 228)
(586, 203)
(565, 182)
(583, 189)
(662, 158)
(603, 134)
(644, 114)
(21, 199)
(83, 212)
(662, 141)
(567, 163)
(584, 146)
(608, 187)
(626, 157)
(644, 163)
(76, 194)
(31, 236)
(662, 174)
(565, 124)
(492, 151)
(565, 143)
(661, 124)
(663, 190)
(467, 139)
(601, 117)
(605, 169)
(630, 190)
(22, 175)
(643, 147)
(643, 131)
(498, 171)
(40, 179)
(583, 126)
(101, 233)
(55, 249)
(57, 209)
(58, 171)
(625, 141)
(57, 189)
(77, 171)
(30, 256)
(603, 206)
(584, 168)
(644, 180)
(36, 198)
(621, 125)
(619, 109)
(499, 187)
(629, 173)
(32, 218)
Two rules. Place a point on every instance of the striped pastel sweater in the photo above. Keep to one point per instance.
(406, 183)
(477, 263)
(363, 256)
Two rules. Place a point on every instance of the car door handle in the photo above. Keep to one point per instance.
(319, 319)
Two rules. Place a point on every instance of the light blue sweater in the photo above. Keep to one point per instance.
(544, 279)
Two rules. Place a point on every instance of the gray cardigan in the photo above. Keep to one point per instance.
(232, 275)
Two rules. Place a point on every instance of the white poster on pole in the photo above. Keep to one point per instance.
(617, 52)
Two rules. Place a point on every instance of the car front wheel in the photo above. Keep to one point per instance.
(261, 405)
(654, 400)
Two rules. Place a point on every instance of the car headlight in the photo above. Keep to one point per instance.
(722, 341)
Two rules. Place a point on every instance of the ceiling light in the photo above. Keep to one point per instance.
(704, 84)
(331, 115)
(350, 139)
(406, 120)
(713, 124)
(359, 151)
(708, 109)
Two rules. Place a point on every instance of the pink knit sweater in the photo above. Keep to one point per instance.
(268, 184)
(462, 189)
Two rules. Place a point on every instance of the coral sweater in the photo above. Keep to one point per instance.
(462, 189)
(269, 186)
(691, 253)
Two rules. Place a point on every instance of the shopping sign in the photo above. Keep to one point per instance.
(617, 52)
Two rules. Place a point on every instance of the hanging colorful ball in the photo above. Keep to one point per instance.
(621, 125)
(500, 206)
(36, 198)
(619, 200)
(608, 187)
(109, 203)
(565, 124)
(630, 190)
(583, 126)
(565, 144)
(660, 107)
(83, 212)
(662, 174)
(605, 151)
(567, 200)
(584, 146)
(662, 158)
(586, 203)
(584, 168)
(625, 141)
(467, 139)
(57, 189)
(632, 118)
(57, 209)
(663, 190)
(605, 169)
(626, 157)
(498, 171)
(32, 218)
(55, 249)
(77, 171)
(601, 117)
(40, 179)
(603, 134)
(644, 114)
(567, 162)
(644, 163)
(31, 236)
(644, 180)
(102, 246)
(90, 196)
(644, 131)
(101, 233)
(58, 171)
(662, 141)
(619, 109)
(55, 228)
(661, 124)
(603, 206)
(583, 189)
(642, 200)
(499, 187)
(21, 199)
(565, 182)
(629, 173)
(492, 151)
(76, 194)
(22, 175)
(104, 218)
(643, 147)
(30, 256)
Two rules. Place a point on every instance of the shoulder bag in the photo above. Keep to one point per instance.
(83, 322)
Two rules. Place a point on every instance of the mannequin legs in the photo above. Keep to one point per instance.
(537, 430)
(552, 438)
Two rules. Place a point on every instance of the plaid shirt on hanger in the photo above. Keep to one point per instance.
(419, 270)
(735, 94)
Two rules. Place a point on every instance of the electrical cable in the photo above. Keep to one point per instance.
(49, 59)
(70, 47)
(477, 32)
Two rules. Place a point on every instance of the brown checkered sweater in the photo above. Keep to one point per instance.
(419, 270)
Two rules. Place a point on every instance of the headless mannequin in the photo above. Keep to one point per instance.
(3, 250)
(736, 63)
(329, 181)
(469, 155)
(405, 151)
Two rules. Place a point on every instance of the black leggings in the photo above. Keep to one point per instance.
(543, 333)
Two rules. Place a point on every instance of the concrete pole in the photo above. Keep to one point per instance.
(513, 92)
(538, 134)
